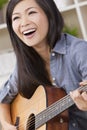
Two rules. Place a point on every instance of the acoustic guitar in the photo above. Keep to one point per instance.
(47, 109)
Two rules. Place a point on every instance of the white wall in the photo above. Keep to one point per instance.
(7, 63)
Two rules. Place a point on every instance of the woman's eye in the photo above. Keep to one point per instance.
(32, 12)
(15, 18)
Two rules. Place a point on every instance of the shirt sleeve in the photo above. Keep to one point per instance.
(9, 90)
(80, 58)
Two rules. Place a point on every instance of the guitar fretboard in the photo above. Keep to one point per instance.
(55, 109)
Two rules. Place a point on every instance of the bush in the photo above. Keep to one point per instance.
(2, 2)
(72, 31)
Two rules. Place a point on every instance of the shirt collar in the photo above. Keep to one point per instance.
(60, 46)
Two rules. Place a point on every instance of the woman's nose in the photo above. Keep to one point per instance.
(25, 21)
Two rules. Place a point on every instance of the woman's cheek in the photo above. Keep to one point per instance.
(15, 27)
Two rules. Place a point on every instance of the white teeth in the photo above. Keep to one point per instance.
(28, 31)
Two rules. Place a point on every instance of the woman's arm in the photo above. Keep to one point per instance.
(5, 117)
(78, 58)
(79, 98)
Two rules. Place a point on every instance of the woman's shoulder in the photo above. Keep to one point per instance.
(9, 89)
(74, 40)
(75, 43)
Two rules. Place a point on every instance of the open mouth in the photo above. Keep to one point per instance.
(29, 32)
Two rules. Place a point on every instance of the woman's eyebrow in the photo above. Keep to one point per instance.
(15, 13)
(30, 8)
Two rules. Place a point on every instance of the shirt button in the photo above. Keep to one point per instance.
(54, 84)
(8, 87)
(53, 54)
(54, 78)
(73, 124)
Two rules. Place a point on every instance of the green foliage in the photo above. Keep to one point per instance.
(72, 31)
(2, 2)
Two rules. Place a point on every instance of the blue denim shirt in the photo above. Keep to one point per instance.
(68, 65)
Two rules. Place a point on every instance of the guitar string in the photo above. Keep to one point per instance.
(69, 96)
(32, 122)
(29, 124)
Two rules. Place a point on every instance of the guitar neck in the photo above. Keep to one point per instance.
(55, 109)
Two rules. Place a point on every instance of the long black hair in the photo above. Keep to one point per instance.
(31, 66)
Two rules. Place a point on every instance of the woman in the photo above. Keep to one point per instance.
(45, 56)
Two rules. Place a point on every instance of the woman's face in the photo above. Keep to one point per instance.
(30, 23)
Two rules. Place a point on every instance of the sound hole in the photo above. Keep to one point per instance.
(31, 122)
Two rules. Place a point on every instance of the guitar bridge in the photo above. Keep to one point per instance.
(17, 122)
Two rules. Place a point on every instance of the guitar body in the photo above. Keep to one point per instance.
(23, 110)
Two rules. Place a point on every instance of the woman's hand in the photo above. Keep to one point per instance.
(83, 83)
(8, 126)
(79, 98)
(5, 117)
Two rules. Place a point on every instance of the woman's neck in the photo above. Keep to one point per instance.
(43, 51)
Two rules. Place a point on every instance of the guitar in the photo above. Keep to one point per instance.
(47, 109)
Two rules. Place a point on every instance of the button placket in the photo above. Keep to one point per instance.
(54, 81)
(74, 124)
(53, 54)
(53, 65)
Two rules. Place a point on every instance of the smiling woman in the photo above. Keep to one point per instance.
(27, 23)
(45, 57)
